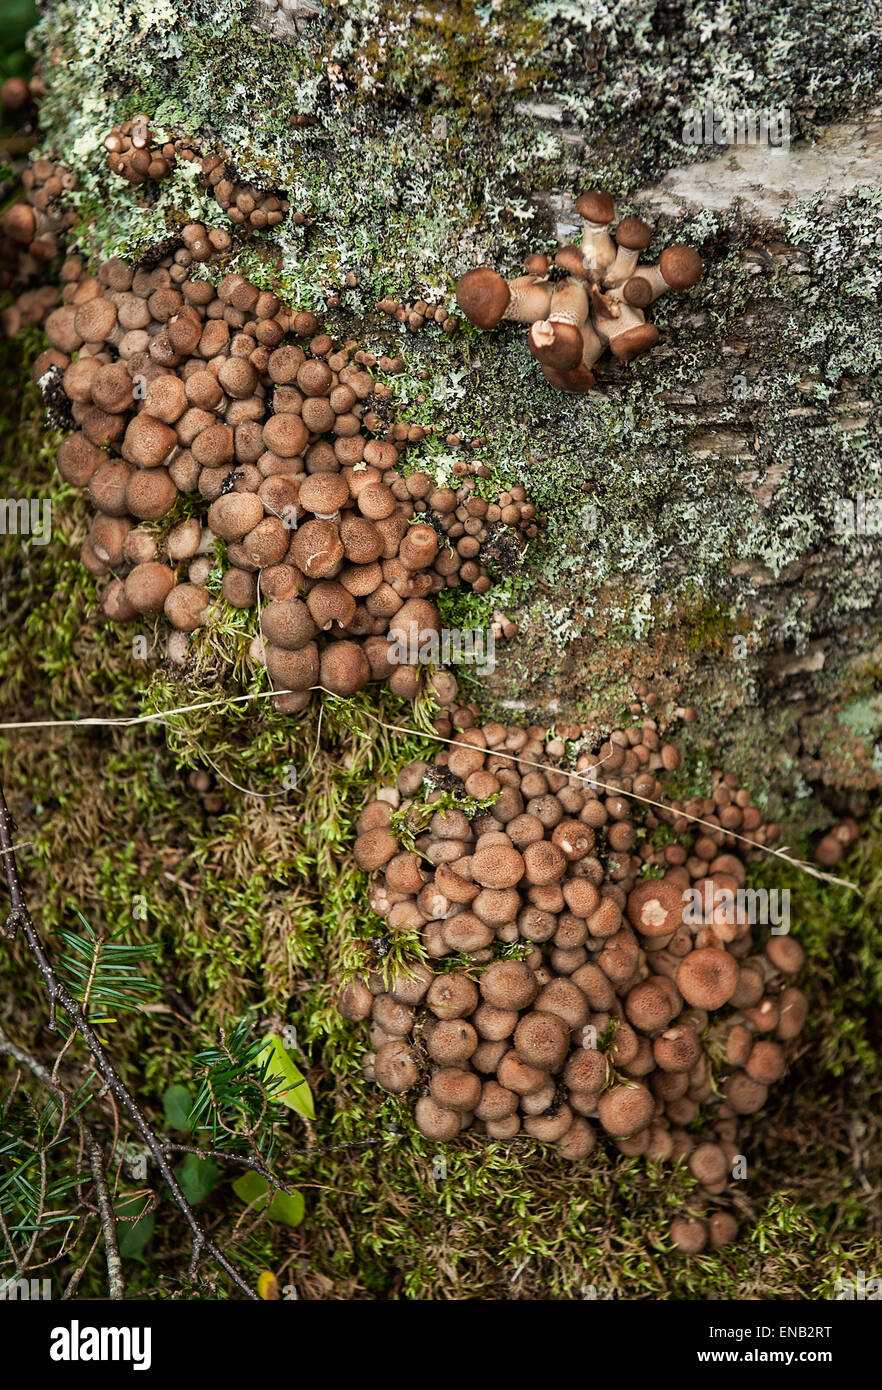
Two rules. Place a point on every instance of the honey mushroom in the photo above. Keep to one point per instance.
(270, 433)
(598, 1021)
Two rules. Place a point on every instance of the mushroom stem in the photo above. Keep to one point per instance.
(598, 250)
(632, 237)
(629, 335)
(652, 275)
(679, 267)
(531, 297)
(556, 341)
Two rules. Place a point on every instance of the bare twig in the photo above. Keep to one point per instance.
(115, 1277)
(19, 919)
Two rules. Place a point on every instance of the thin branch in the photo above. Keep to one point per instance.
(20, 919)
(115, 1276)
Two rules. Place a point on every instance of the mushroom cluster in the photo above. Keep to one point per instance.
(178, 388)
(591, 298)
(30, 238)
(833, 845)
(416, 314)
(134, 153)
(577, 991)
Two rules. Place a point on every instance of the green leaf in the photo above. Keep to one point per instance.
(286, 1208)
(177, 1103)
(133, 1234)
(197, 1177)
(287, 1082)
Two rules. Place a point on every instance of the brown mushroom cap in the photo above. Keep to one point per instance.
(633, 233)
(681, 266)
(416, 619)
(396, 1067)
(316, 549)
(596, 207)
(585, 1071)
(452, 996)
(508, 984)
(185, 606)
(688, 1235)
(287, 623)
(376, 847)
(677, 1049)
(234, 514)
(434, 1122)
(148, 586)
(637, 292)
(655, 907)
(745, 1095)
(555, 344)
(707, 978)
(624, 1110)
(497, 866)
(451, 1043)
(635, 342)
(293, 670)
(542, 1040)
(148, 442)
(483, 296)
(570, 259)
(355, 1001)
(722, 1229)
(344, 668)
(324, 493)
(455, 1089)
(707, 1164)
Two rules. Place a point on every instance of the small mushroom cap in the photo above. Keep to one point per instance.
(570, 259)
(655, 907)
(148, 585)
(396, 1068)
(624, 1110)
(681, 266)
(634, 234)
(634, 343)
(722, 1228)
(536, 263)
(434, 1122)
(637, 292)
(355, 1001)
(185, 606)
(556, 345)
(483, 296)
(596, 207)
(542, 1040)
(578, 1141)
(344, 668)
(707, 978)
(688, 1235)
(508, 984)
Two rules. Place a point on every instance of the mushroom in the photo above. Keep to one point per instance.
(487, 299)
(557, 340)
(632, 236)
(598, 251)
(679, 268)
